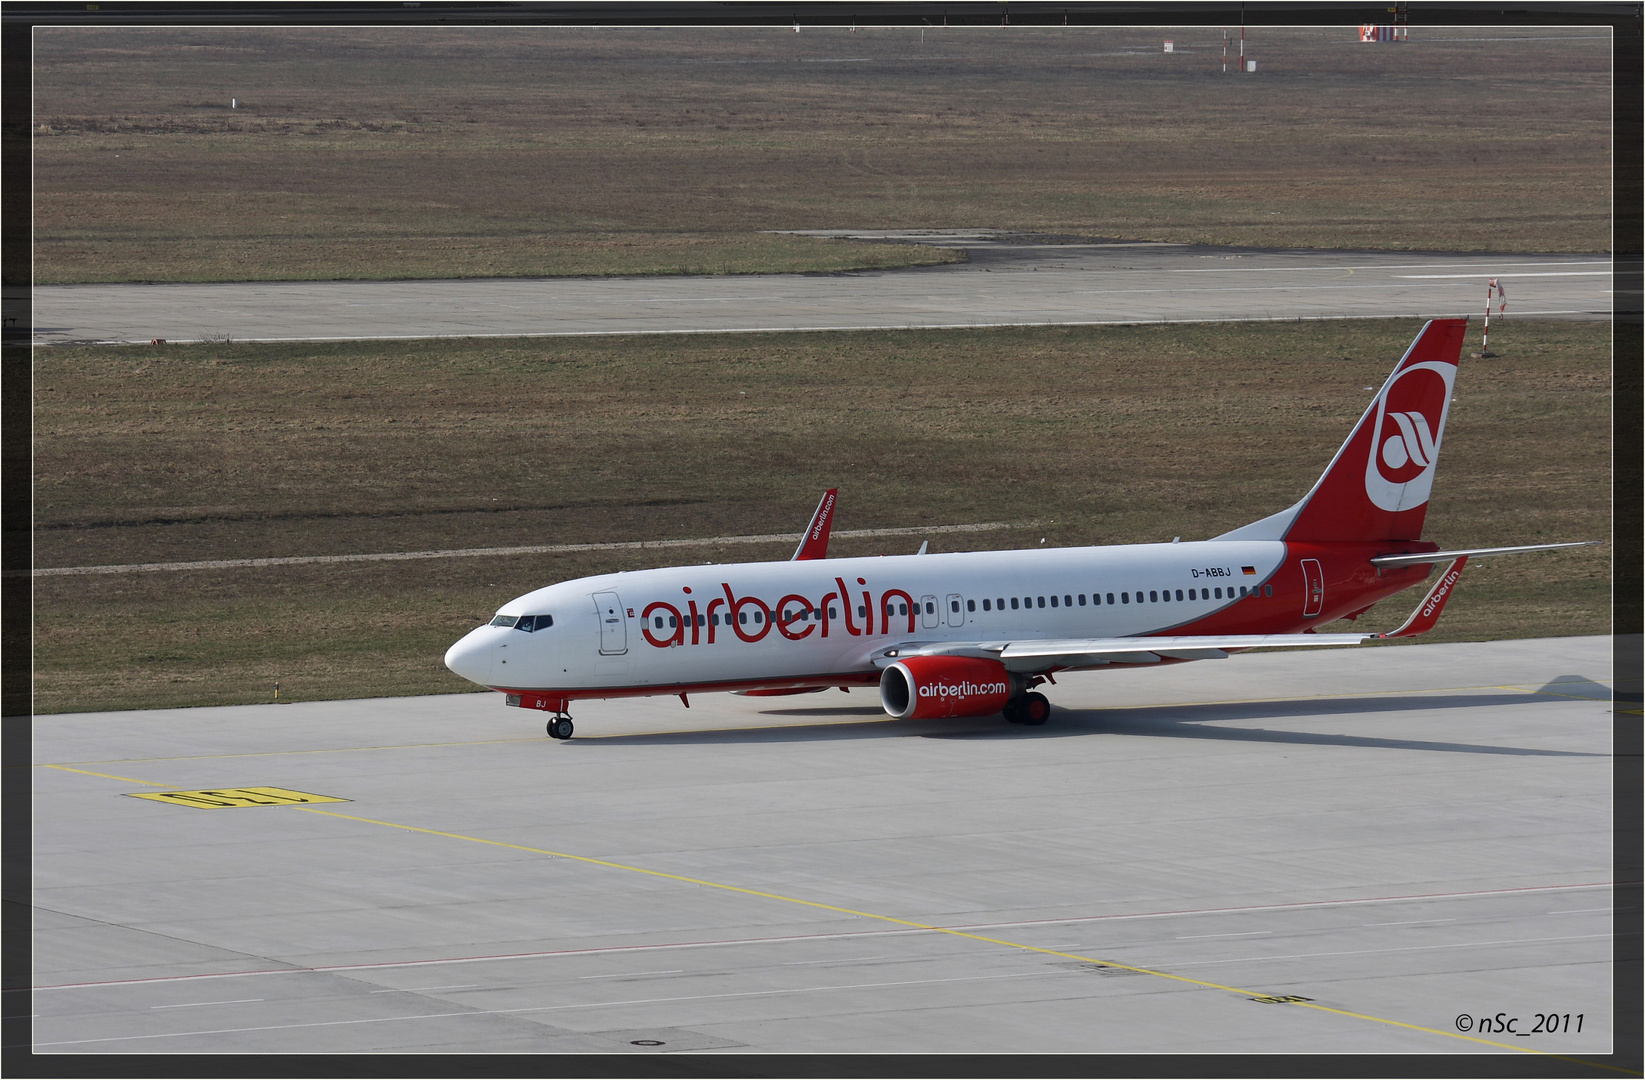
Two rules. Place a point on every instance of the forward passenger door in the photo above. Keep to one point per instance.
(613, 624)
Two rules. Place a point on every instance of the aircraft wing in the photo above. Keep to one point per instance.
(1039, 655)
(1093, 652)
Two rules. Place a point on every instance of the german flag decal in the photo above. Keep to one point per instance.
(1249, 571)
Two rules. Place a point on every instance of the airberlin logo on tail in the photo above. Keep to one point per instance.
(1410, 422)
(1414, 445)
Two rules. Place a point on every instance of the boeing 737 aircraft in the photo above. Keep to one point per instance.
(973, 633)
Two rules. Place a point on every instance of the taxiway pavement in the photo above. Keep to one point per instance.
(1006, 282)
(1344, 851)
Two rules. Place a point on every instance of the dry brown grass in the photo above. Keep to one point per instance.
(1101, 435)
(462, 152)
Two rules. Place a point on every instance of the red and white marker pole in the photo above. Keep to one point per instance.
(1485, 342)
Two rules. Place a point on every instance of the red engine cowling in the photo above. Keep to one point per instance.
(922, 687)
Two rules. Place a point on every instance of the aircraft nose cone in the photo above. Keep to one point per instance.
(471, 657)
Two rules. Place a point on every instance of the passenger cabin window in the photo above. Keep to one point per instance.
(1082, 599)
(1125, 598)
(1268, 590)
(1000, 603)
(970, 605)
(1053, 601)
(954, 606)
(1042, 601)
(1110, 598)
(1068, 601)
(1013, 603)
(987, 605)
(1153, 597)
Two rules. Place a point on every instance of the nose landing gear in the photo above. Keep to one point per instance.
(560, 727)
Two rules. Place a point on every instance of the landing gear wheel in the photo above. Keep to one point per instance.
(1013, 710)
(1035, 709)
(560, 728)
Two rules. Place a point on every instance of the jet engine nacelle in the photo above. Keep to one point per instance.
(923, 687)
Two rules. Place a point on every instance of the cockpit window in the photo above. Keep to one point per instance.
(528, 623)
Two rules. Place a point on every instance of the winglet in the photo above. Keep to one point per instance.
(814, 544)
(1426, 615)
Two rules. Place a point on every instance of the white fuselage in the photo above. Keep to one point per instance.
(756, 625)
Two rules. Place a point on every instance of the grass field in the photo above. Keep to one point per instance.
(441, 152)
(1092, 434)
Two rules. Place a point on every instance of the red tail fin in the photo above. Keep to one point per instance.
(814, 544)
(1377, 486)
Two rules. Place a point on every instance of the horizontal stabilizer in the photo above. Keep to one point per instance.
(1469, 553)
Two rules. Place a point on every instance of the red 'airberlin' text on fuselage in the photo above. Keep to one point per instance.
(667, 625)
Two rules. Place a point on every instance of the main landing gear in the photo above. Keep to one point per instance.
(560, 727)
(1032, 709)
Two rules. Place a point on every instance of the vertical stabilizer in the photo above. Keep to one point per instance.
(1377, 486)
(814, 544)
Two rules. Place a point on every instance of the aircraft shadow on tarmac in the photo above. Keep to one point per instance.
(1178, 722)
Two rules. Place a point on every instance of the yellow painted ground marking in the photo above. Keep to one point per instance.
(915, 924)
(224, 798)
(106, 776)
(1550, 693)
